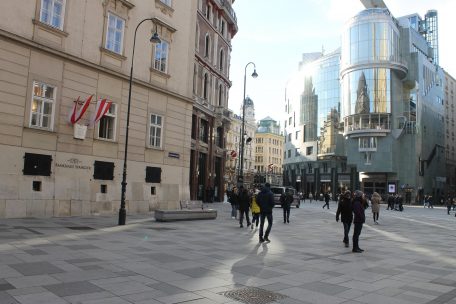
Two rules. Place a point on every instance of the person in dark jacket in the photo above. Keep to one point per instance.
(359, 218)
(266, 201)
(244, 206)
(286, 199)
(327, 198)
(233, 198)
(345, 211)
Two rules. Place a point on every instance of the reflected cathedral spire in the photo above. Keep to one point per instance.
(362, 96)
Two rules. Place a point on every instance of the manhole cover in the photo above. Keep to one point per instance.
(80, 228)
(253, 295)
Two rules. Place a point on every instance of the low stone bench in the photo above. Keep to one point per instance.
(190, 210)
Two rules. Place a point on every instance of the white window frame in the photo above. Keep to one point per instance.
(41, 100)
(52, 13)
(161, 60)
(112, 114)
(154, 129)
(110, 33)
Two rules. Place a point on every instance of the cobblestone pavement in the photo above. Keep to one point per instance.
(409, 258)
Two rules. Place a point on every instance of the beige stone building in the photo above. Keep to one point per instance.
(450, 142)
(54, 51)
(268, 152)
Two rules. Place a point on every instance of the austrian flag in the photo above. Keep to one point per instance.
(102, 108)
(75, 115)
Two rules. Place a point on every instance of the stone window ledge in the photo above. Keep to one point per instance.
(49, 28)
(113, 54)
(159, 73)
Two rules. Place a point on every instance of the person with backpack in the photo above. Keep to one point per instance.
(255, 208)
(345, 213)
(327, 198)
(266, 201)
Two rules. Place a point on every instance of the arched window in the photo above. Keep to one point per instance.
(220, 95)
(221, 60)
(207, 46)
(197, 37)
(205, 85)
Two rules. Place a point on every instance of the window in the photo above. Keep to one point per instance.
(52, 12)
(219, 137)
(309, 150)
(103, 170)
(155, 131)
(107, 124)
(297, 152)
(167, 2)
(37, 164)
(204, 131)
(208, 12)
(207, 46)
(297, 135)
(43, 101)
(223, 27)
(221, 60)
(289, 137)
(205, 86)
(289, 153)
(161, 56)
(367, 143)
(114, 34)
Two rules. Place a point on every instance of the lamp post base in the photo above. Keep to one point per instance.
(122, 216)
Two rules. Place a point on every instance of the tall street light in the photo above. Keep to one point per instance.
(122, 211)
(241, 151)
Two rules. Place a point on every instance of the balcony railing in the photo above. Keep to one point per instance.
(367, 123)
(229, 10)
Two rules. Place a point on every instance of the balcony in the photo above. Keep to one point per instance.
(229, 11)
(374, 124)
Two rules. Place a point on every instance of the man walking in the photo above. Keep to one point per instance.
(359, 219)
(326, 200)
(266, 201)
(244, 206)
(286, 201)
(345, 210)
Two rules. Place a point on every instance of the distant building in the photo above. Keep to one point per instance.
(268, 153)
(450, 142)
(370, 116)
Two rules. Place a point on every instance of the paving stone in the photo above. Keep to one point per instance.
(37, 268)
(73, 288)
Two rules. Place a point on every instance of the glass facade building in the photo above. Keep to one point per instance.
(370, 114)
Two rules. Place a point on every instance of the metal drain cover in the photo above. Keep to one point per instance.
(253, 295)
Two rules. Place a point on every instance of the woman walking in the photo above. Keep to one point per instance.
(375, 203)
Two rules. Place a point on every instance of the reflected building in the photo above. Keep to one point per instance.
(314, 159)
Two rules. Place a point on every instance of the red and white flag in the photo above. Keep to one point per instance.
(75, 114)
(102, 108)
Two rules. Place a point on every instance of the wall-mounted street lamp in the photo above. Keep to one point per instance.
(241, 151)
(122, 211)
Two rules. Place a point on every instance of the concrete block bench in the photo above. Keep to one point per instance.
(190, 210)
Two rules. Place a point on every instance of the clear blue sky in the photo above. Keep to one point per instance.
(274, 34)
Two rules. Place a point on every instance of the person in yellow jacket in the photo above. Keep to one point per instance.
(255, 210)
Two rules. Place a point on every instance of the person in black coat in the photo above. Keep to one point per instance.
(345, 212)
(359, 218)
(286, 200)
(265, 200)
(327, 198)
(244, 206)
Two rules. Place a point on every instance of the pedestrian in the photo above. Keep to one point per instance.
(375, 205)
(233, 199)
(310, 197)
(390, 202)
(244, 206)
(400, 201)
(345, 211)
(430, 203)
(326, 200)
(255, 208)
(286, 205)
(449, 203)
(266, 201)
(359, 218)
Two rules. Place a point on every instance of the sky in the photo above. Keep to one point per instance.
(275, 34)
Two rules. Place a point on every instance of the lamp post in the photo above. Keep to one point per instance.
(122, 211)
(241, 151)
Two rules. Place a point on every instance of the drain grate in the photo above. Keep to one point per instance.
(253, 295)
(80, 228)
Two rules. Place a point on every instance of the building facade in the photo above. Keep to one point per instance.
(371, 115)
(215, 27)
(64, 92)
(269, 143)
(450, 142)
(314, 155)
